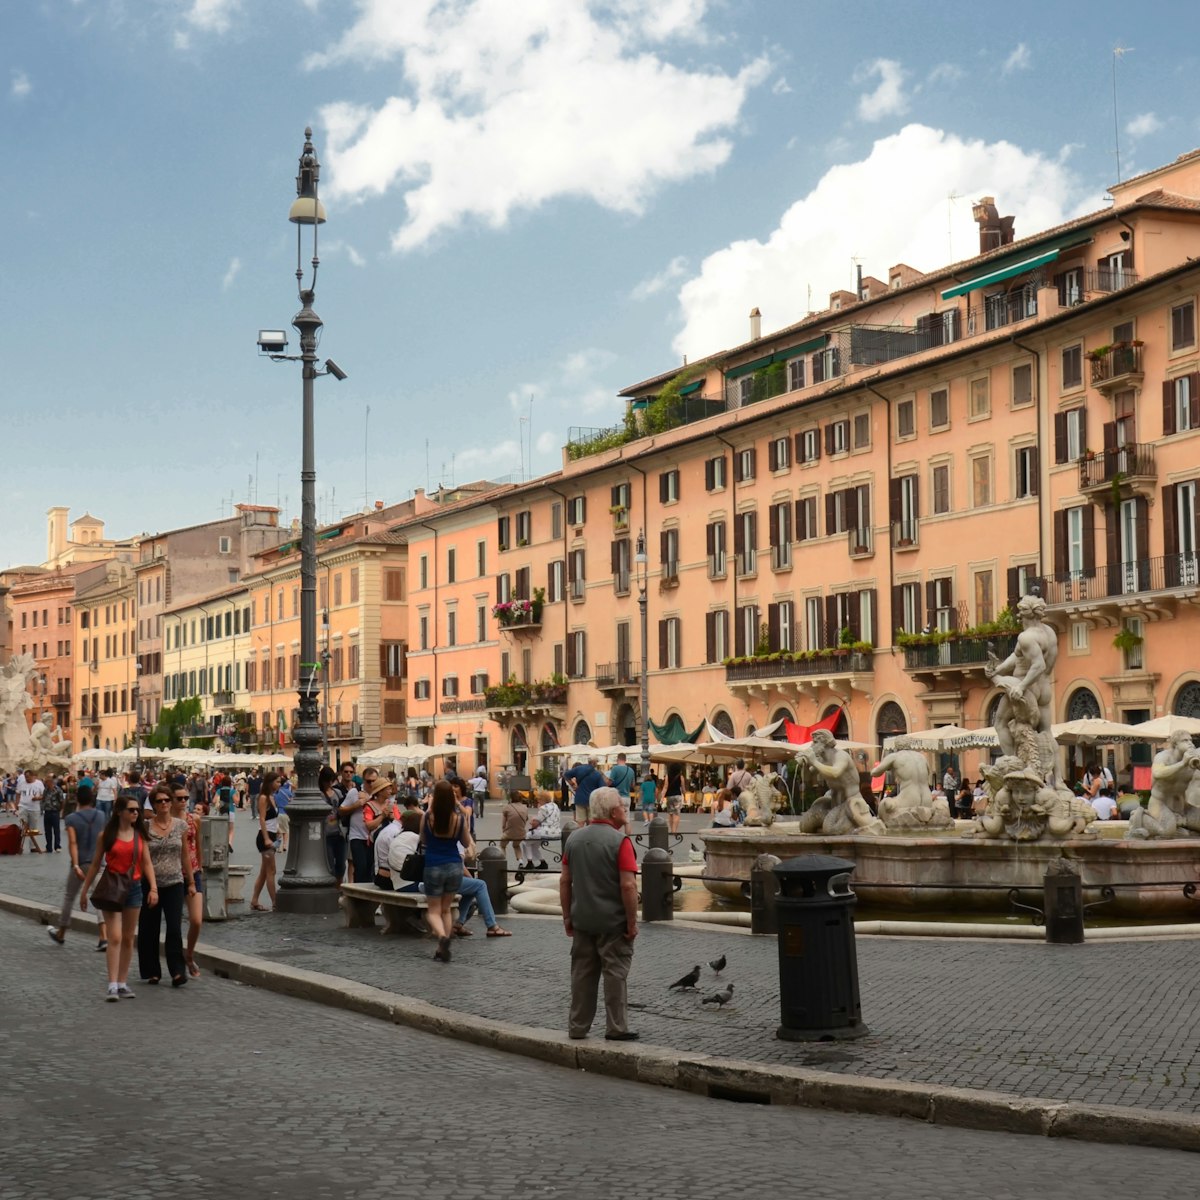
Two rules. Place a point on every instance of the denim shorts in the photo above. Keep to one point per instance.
(137, 894)
(198, 880)
(443, 879)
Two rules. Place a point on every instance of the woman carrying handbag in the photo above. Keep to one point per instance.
(128, 871)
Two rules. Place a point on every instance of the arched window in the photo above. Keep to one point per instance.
(549, 736)
(889, 722)
(781, 715)
(582, 734)
(1187, 700)
(842, 729)
(721, 720)
(1082, 703)
(626, 726)
(520, 749)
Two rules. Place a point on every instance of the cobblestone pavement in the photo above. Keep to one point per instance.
(218, 1089)
(1106, 1023)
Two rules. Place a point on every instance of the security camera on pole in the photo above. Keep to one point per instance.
(306, 884)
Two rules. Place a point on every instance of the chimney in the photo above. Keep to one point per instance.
(755, 324)
(379, 506)
(994, 230)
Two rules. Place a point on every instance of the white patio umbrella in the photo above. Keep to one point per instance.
(1161, 728)
(1092, 730)
(392, 752)
(942, 738)
(575, 750)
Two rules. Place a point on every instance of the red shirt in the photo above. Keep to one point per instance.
(119, 858)
(626, 858)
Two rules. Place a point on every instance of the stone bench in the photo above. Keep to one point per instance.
(402, 911)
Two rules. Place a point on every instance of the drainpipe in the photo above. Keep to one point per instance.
(435, 693)
(1037, 408)
(645, 721)
(891, 549)
(732, 519)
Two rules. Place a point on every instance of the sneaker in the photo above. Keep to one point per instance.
(56, 936)
(101, 946)
(125, 992)
(113, 994)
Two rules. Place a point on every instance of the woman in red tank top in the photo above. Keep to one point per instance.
(123, 844)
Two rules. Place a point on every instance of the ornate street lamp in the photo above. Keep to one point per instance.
(640, 565)
(306, 885)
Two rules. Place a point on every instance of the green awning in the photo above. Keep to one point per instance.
(638, 405)
(817, 343)
(1011, 267)
(691, 387)
(674, 731)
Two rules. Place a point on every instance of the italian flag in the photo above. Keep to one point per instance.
(282, 729)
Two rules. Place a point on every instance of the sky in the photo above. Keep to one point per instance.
(532, 204)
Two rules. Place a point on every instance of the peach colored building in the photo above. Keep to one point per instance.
(838, 513)
(105, 658)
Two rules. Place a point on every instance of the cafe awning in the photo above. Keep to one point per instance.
(1010, 267)
(817, 343)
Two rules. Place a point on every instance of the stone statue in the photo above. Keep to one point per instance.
(48, 741)
(764, 799)
(913, 805)
(17, 750)
(1174, 800)
(1023, 807)
(842, 808)
(1025, 677)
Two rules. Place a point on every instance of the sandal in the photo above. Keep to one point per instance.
(258, 907)
(193, 970)
(462, 931)
(497, 931)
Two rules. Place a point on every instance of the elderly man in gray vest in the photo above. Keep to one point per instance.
(598, 890)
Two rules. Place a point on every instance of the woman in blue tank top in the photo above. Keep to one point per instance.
(443, 829)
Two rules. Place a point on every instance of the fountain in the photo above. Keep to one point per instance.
(21, 747)
(914, 856)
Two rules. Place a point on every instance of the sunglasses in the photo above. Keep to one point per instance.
(132, 810)
(180, 796)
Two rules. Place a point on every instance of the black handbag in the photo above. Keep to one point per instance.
(413, 870)
(112, 891)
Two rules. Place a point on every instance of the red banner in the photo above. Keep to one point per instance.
(802, 734)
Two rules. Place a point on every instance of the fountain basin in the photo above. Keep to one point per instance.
(949, 873)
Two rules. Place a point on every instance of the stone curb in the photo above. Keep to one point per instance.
(701, 1074)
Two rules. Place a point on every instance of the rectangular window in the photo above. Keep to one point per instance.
(745, 542)
(1182, 390)
(556, 581)
(780, 517)
(939, 408)
(451, 571)
(1183, 325)
(837, 437)
(502, 532)
(423, 631)
(1076, 429)
(621, 558)
(421, 689)
(981, 481)
(524, 528)
(906, 418)
(423, 571)
(745, 634)
(980, 399)
(808, 446)
(716, 547)
(503, 588)
(450, 686)
(862, 430)
(1022, 384)
(716, 635)
(337, 590)
(668, 553)
(1072, 367)
(619, 495)
(556, 520)
(481, 623)
(779, 454)
(714, 474)
(744, 465)
(668, 487)
(393, 584)
(669, 644)
(806, 519)
(1075, 542)
(908, 617)
(576, 576)
(795, 374)
(941, 488)
(1025, 481)
(985, 599)
(481, 558)
(354, 584)
(576, 511)
(576, 654)
(814, 623)
(1079, 635)
(451, 627)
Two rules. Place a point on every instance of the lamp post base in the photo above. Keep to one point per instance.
(307, 899)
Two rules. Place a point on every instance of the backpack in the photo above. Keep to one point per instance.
(342, 818)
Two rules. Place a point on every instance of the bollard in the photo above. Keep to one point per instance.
(658, 886)
(818, 962)
(764, 887)
(1062, 900)
(493, 870)
(658, 838)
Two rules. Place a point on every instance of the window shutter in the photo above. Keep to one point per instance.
(710, 539)
(799, 447)
(772, 455)
(1060, 437)
(664, 547)
(773, 525)
(1168, 407)
(1035, 471)
(570, 656)
(854, 615)
(710, 475)
(1110, 435)
(1141, 522)
(710, 637)
(773, 627)
(737, 467)
(1170, 528)
(893, 500)
(916, 495)
(1112, 540)
(1194, 400)
(897, 608)
(753, 463)
(1060, 282)
(499, 589)
(1060, 542)
(662, 488)
(662, 645)
(828, 439)
(799, 520)
(831, 623)
(816, 448)
(615, 555)
(864, 506)
(739, 634)
(930, 602)
(739, 539)
(830, 513)
(1013, 577)
(615, 493)
(1089, 540)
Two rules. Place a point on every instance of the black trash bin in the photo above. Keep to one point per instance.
(818, 964)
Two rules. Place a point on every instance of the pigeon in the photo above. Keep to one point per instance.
(720, 999)
(696, 849)
(717, 964)
(689, 980)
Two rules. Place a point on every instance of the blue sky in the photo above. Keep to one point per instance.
(527, 198)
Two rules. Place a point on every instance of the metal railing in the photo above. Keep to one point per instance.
(617, 674)
(1132, 459)
(1109, 279)
(861, 542)
(1115, 362)
(578, 589)
(904, 533)
(964, 652)
(222, 699)
(781, 556)
(621, 583)
(747, 562)
(872, 344)
(1123, 579)
(717, 566)
(831, 663)
(1006, 308)
(670, 571)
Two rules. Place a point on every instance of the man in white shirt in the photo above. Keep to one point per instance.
(1105, 806)
(106, 792)
(29, 804)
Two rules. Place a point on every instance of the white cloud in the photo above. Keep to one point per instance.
(337, 246)
(654, 284)
(1143, 125)
(945, 73)
(500, 458)
(507, 106)
(21, 87)
(1019, 60)
(888, 98)
(890, 207)
(234, 269)
(780, 87)
(212, 16)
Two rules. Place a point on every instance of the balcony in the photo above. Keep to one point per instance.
(475, 704)
(90, 720)
(508, 702)
(617, 676)
(959, 656)
(905, 534)
(781, 557)
(1004, 308)
(518, 615)
(646, 417)
(861, 542)
(223, 701)
(1110, 279)
(717, 566)
(1117, 366)
(669, 577)
(801, 672)
(1130, 466)
(1150, 587)
(746, 563)
(344, 731)
(869, 345)
(621, 583)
